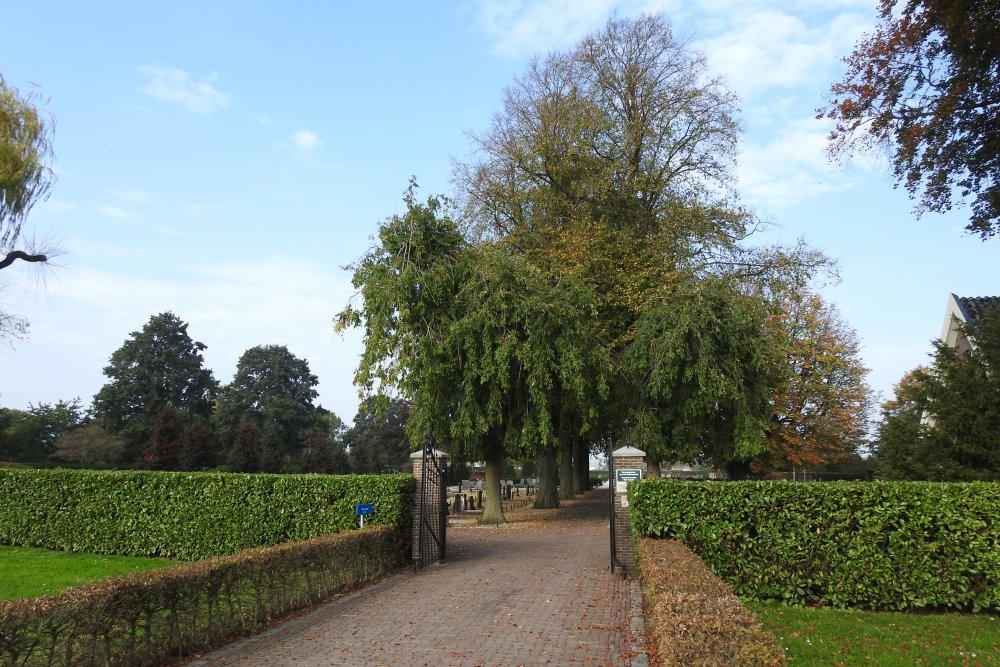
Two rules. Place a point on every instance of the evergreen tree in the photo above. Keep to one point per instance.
(945, 422)
(156, 367)
(276, 389)
(244, 453)
(378, 442)
(164, 452)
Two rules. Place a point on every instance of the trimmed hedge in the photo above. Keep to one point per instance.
(868, 545)
(188, 515)
(695, 619)
(150, 617)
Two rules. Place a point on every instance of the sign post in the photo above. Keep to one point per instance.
(362, 510)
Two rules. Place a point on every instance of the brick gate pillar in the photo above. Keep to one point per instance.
(627, 464)
(430, 519)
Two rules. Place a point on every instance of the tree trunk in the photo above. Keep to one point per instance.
(581, 480)
(738, 470)
(565, 467)
(548, 480)
(652, 468)
(492, 503)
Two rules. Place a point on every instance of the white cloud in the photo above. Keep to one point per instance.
(57, 206)
(176, 85)
(133, 196)
(762, 50)
(520, 28)
(789, 166)
(305, 141)
(114, 212)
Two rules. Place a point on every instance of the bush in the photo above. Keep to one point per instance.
(870, 545)
(695, 619)
(188, 515)
(149, 617)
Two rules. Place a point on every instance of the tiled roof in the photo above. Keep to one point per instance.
(974, 307)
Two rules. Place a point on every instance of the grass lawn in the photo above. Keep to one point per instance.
(26, 572)
(840, 637)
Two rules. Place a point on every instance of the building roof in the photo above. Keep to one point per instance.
(974, 307)
(964, 310)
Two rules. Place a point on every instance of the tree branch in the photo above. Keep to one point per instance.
(20, 254)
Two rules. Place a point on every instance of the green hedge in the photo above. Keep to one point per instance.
(869, 545)
(149, 618)
(188, 515)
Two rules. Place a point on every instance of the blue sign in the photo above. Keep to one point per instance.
(365, 509)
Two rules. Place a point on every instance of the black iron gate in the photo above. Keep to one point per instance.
(611, 505)
(432, 509)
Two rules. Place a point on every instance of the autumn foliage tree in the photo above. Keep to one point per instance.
(925, 87)
(612, 164)
(821, 404)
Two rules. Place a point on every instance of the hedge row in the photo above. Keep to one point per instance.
(151, 617)
(188, 515)
(868, 545)
(695, 619)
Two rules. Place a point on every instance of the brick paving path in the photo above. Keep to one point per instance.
(535, 592)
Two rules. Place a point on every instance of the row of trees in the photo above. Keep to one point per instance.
(162, 409)
(591, 281)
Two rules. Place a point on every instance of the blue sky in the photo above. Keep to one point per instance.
(223, 160)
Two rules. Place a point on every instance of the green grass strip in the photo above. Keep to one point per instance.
(845, 637)
(26, 572)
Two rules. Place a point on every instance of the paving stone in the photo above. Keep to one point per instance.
(531, 594)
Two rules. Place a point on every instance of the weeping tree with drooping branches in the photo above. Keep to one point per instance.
(473, 335)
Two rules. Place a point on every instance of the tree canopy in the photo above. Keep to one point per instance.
(612, 164)
(925, 87)
(474, 336)
(591, 278)
(821, 404)
(377, 441)
(703, 365)
(29, 436)
(156, 367)
(275, 389)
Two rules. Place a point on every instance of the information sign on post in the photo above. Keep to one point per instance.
(362, 510)
(625, 475)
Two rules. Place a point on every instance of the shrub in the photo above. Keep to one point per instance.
(188, 515)
(695, 619)
(150, 617)
(871, 545)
